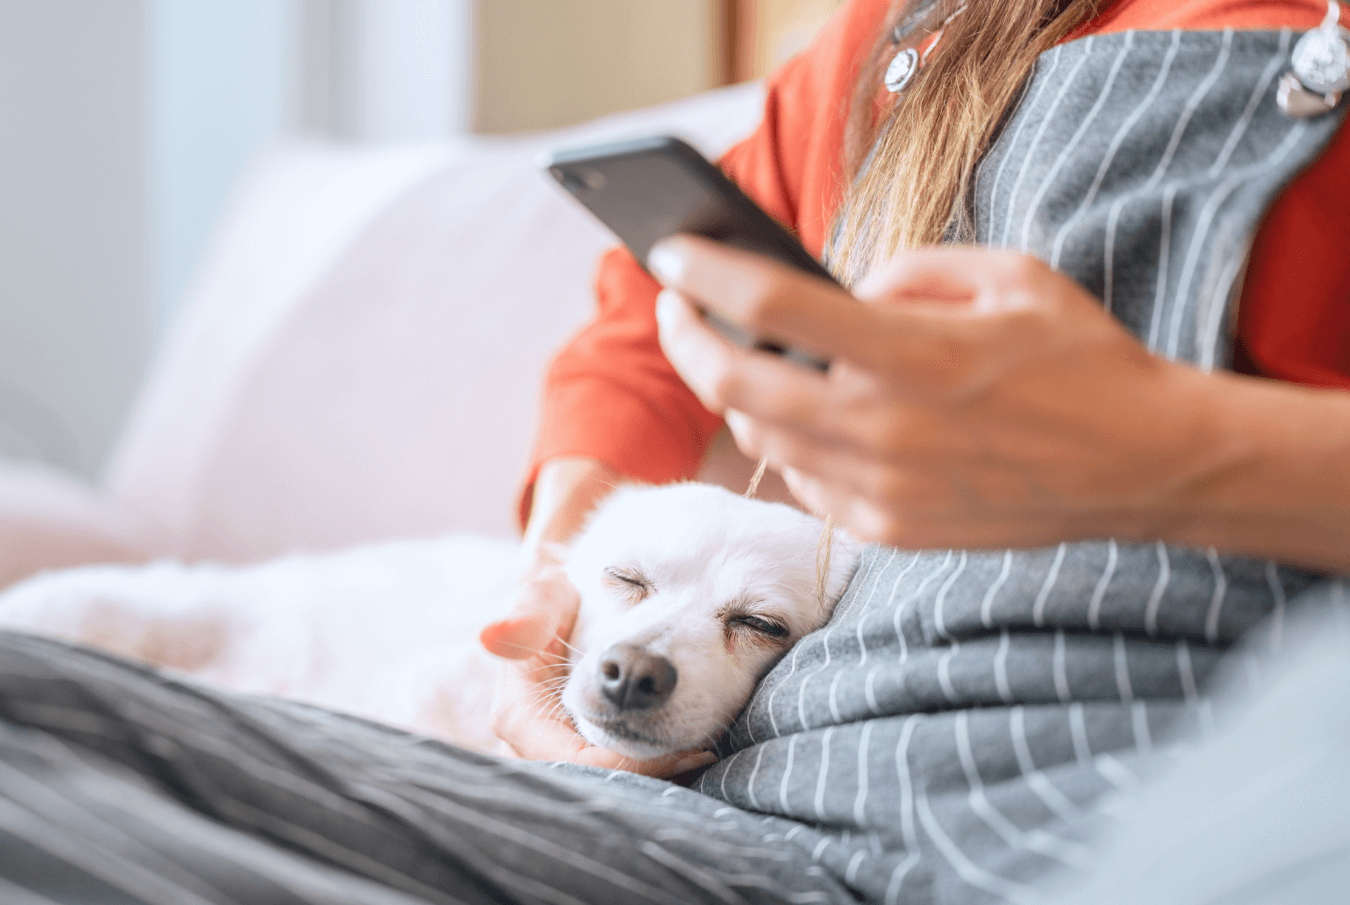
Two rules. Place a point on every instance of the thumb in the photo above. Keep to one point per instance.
(545, 608)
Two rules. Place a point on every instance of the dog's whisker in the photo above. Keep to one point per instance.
(690, 617)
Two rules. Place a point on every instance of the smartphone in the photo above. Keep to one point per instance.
(649, 188)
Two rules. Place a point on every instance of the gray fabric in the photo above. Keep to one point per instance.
(944, 739)
(953, 723)
(118, 785)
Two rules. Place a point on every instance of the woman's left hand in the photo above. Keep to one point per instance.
(977, 399)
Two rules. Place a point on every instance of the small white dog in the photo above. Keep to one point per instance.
(689, 594)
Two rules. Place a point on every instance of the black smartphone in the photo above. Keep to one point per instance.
(649, 188)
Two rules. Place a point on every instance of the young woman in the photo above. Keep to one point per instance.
(1043, 411)
(985, 400)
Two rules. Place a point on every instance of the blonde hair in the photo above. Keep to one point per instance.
(910, 160)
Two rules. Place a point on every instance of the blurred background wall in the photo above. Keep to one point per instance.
(125, 123)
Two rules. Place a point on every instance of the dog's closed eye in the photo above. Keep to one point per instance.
(767, 627)
(629, 582)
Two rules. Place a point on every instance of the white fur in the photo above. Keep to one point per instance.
(710, 556)
(390, 631)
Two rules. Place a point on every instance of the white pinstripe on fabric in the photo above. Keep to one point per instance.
(908, 830)
(970, 872)
(870, 692)
(1099, 592)
(1059, 803)
(834, 696)
(787, 775)
(860, 800)
(851, 873)
(1186, 672)
(869, 684)
(987, 603)
(1059, 666)
(1207, 214)
(768, 706)
(1277, 617)
(1162, 269)
(1017, 134)
(1074, 139)
(825, 643)
(1001, 668)
(1116, 773)
(1143, 738)
(862, 644)
(699, 838)
(1155, 599)
(1107, 160)
(1122, 667)
(1038, 841)
(1217, 599)
(1038, 610)
(1277, 63)
(1046, 120)
(1224, 293)
(1183, 120)
(1082, 749)
(939, 616)
(823, 775)
(944, 672)
(726, 771)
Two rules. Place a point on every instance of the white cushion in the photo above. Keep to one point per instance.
(361, 357)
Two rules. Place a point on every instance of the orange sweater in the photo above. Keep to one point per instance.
(611, 395)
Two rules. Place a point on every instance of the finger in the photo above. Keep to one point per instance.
(781, 303)
(725, 377)
(534, 736)
(949, 273)
(545, 609)
(666, 767)
(519, 639)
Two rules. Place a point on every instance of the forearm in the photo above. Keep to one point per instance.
(566, 490)
(1274, 472)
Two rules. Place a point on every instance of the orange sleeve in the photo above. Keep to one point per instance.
(1294, 316)
(609, 393)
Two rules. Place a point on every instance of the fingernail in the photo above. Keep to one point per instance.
(666, 263)
(667, 303)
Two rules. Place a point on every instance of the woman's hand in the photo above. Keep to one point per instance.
(978, 399)
(527, 713)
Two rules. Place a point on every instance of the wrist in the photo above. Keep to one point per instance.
(1264, 470)
(564, 494)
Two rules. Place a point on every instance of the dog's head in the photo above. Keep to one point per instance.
(689, 594)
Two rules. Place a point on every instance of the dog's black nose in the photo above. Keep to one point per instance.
(634, 679)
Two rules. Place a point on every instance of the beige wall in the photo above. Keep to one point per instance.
(773, 31)
(547, 63)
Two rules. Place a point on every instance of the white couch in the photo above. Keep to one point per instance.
(359, 358)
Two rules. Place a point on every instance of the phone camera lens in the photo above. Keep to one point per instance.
(594, 179)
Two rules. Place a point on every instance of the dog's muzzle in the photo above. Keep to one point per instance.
(633, 678)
